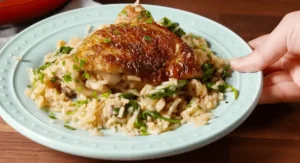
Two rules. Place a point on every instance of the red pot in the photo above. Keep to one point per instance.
(21, 11)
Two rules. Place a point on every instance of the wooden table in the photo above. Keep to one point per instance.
(270, 134)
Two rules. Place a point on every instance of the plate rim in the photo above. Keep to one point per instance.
(138, 156)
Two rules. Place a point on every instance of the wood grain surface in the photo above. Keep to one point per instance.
(270, 135)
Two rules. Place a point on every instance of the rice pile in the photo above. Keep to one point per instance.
(95, 105)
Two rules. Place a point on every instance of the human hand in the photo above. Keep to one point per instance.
(278, 55)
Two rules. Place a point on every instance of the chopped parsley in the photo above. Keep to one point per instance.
(106, 94)
(116, 111)
(75, 58)
(147, 38)
(86, 75)
(82, 63)
(156, 115)
(28, 86)
(65, 50)
(226, 72)
(222, 88)
(71, 112)
(52, 116)
(147, 14)
(124, 12)
(181, 83)
(79, 103)
(63, 63)
(116, 32)
(95, 94)
(107, 40)
(166, 92)
(42, 68)
(53, 79)
(75, 67)
(132, 103)
(67, 77)
(149, 21)
(128, 96)
(42, 76)
(172, 26)
(69, 127)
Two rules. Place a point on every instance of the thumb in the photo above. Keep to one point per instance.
(268, 52)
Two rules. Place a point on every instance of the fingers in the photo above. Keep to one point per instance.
(267, 53)
(281, 92)
(258, 41)
(276, 78)
(278, 66)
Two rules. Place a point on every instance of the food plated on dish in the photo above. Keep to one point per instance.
(139, 73)
(137, 76)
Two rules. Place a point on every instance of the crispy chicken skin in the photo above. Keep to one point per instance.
(136, 45)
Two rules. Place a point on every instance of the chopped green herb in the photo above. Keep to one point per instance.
(82, 63)
(116, 32)
(156, 115)
(124, 12)
(222, 88)
(28, 86)
(147, 14)
(42, 68)
(63, 63)
(189, 104)
(226, 72)
(209, 85)
(42, 76)
(149, 21)
(206, 66)
(166, 22)
(79, 103)
(107, 40)
(75, 67)
(86, 75)
(52, 116)
(67, 77)
(166, 92)
(75, 58)
(106, 95)
(53, 79)
(208, 74)
(65, 50)
(71, 112)
(128, 96)
(132, 103)
(95, 94)
(116, 111)
(142, 126)
(180, 32)
(172, 26)
(181, 83)
(45, 110)
(69, 127)
(147, 38)
(53, 73)
(143, 131)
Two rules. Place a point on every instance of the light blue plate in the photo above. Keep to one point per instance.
(33, 43)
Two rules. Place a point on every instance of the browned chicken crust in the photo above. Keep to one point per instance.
(144, 49)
